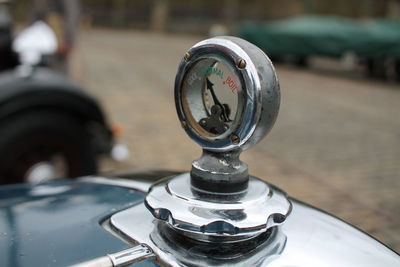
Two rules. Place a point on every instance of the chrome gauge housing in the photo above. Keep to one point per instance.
(227, 99)
(227, 94)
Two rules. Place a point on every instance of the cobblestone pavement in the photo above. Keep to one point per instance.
(336, 144)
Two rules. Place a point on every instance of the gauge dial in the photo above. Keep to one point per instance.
(211, 96)
(227, 94)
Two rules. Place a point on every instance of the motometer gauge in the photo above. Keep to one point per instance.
(227, 98)
(227, 94)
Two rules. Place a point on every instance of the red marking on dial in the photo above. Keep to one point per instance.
(232, 83)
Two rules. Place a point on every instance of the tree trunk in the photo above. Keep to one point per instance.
(118, 12)
(159, 16)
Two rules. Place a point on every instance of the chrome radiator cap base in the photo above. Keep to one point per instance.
(209, 217)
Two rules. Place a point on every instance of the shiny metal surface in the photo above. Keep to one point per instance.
(120, 152)
(141, 186)
(41, 172)
(219, 172)
(231, 216)
(260, 100)
(122, 258)
(308, 237)
(218, 201)
(97, 262)
(131, 255)
(315, 238)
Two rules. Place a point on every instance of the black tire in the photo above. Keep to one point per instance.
(397, 70)
(301, 62)
(375, 68)
(32, 137)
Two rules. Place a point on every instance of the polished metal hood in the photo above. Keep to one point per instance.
(308, 237)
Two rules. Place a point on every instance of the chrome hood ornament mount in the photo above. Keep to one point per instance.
(227, 98)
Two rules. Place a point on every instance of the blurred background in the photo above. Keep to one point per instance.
(336, 143)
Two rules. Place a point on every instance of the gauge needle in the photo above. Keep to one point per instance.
(210, 86)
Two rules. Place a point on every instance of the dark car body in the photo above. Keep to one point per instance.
(56, 107)
(44, 116)
(68, 222)
(60, 223)
(8, 57)
(51, 91)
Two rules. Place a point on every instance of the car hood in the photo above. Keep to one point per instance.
(59, 223)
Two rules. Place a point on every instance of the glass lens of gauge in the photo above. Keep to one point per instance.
(210, 93)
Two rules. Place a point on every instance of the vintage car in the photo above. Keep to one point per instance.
(375, 43)
(227, 98)
(50, 127)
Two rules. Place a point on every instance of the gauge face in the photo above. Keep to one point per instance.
(226, 94)
(211, 93)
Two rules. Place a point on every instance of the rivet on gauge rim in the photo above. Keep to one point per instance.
(235, 139)
(186, 56)
(241, 63)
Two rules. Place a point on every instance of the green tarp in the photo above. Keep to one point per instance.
(325, 36)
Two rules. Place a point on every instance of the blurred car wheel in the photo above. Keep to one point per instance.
(43, 145)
